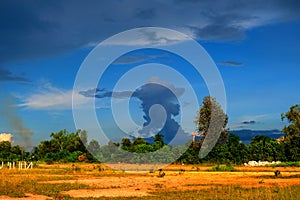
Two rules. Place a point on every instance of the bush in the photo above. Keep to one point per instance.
(227, 168)
(288, 164)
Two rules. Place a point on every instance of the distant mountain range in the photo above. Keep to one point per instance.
(246, 134)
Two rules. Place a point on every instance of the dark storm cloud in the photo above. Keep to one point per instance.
(151, 94)
(6, 76)
(231, 63)
(36, 29)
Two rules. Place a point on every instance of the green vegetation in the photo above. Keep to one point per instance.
(287, 164)
(227, 168)
(67, 147)
(9, 152)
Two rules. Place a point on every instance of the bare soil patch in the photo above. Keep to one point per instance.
(139, 182)
(28, 196)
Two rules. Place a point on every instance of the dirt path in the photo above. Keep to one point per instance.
(132, 185)
(27, 197)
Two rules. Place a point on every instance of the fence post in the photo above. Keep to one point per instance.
(9, 165)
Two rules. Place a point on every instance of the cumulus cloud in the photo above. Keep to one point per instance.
(51, 98)
(5, 137)
(159, 103)
(31, 29)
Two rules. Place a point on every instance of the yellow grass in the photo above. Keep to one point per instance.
(83, 181)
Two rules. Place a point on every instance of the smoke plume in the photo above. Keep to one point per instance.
(9, 112)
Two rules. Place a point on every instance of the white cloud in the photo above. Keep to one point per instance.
(52, 98)
(5, 137)
(145, 37)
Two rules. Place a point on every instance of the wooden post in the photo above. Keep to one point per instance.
(9, 165)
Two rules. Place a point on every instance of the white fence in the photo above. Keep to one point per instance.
(17, 165)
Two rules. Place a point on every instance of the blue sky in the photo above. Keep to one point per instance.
(255, 46)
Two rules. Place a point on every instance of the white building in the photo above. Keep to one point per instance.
(5, 137)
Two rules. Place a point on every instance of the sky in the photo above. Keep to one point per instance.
(254, 46)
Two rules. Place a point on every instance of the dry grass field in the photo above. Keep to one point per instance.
(95, 181)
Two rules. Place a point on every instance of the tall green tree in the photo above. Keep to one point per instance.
(94, 147)
(292, 133)
(158, 141)
(293, 118)
(238, 152)
(126, 144)
(211, 117)
(139, 140)
(264, 148)
(59, 139)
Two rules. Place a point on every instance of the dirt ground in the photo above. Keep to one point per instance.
(177, 177)
(133, 185)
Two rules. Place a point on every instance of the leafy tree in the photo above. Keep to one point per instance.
(263, 148)
(212, 118)
(82, 135)
(59, 139)
(292, 130)
(61, 146)
(76, 141)
(158, 141)
(190, 156)
(211, 123)
(233, 147)
(219, 154)
(126, 144)
(243, 153)
(293, 118)
(143, 148)
(5, 150)
(44, 148)
(18, 150)
(5, 147)
(94, 147)
(139, 140)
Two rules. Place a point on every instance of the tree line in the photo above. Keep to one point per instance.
(74, 147)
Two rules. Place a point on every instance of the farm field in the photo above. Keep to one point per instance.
(96, 181)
